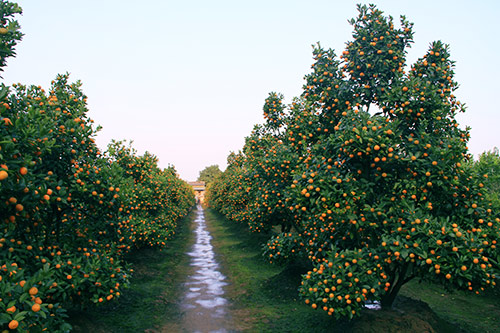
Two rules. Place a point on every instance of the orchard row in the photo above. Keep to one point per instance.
(68, 212)
(367, 175)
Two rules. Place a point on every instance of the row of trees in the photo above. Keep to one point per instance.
(367, 175)
(68, 212)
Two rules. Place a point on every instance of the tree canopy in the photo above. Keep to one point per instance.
(208, 174)
(366, 173)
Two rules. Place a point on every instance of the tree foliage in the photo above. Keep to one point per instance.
(365, 171)
(487, 170)
(68, 212)
(208, 174)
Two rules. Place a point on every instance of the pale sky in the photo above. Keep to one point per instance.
(186, 80)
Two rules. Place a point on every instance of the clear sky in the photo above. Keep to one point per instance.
(186, 80)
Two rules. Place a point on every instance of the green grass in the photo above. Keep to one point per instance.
(151, 302)
(264, 297)
(472, 313)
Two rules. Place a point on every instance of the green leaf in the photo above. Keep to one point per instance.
(20, 316)
(23, 297)
(4, 318)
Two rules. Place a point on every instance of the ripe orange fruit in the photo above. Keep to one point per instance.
(33, 291)
(13, 324)
(36, 307)
(23, 171)
(3, 174)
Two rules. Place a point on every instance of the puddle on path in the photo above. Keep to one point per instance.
(203, 305)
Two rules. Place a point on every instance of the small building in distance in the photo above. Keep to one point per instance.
(199, 191)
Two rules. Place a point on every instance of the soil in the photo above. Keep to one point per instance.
(407, 315)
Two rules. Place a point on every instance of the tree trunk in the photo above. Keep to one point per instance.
(400, 279)
(387, 301)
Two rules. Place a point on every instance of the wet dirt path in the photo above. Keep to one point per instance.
(203, 304)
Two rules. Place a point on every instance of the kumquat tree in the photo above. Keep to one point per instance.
(155, 199)
(228, 192)
(366, 172)
(69, 213)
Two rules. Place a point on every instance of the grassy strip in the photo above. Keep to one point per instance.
(264, 297)
(472, 313)
(152, 300)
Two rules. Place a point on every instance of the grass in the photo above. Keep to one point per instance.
(264, 297)
(472, 313)
(151, 301)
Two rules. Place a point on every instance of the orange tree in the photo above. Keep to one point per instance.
(10, 33)
(61, 208)
(229, 192)
(487, 170)
(154, 199)
(380, 195)
(57, 209)
(24, 287)
(393, 201)
(269, 164)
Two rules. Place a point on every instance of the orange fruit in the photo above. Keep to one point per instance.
(13, 324)
(33, 291)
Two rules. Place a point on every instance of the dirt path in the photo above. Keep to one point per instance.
(203, 305)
